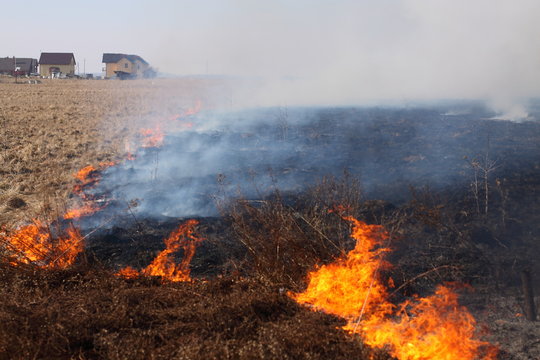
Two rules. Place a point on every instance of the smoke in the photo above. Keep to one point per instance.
(509, 109)
(310, 52)
(350, 76)
(365, 52)
(251, 153)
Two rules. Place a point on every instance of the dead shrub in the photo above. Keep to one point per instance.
(285, 238)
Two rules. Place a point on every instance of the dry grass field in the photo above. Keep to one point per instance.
(51, 130)
(239, 302)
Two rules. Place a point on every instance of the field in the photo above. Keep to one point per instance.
(53, 129)
(475, 224)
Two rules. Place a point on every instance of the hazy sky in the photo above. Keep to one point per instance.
(341, 48)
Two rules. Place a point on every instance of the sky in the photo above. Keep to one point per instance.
(344, 50)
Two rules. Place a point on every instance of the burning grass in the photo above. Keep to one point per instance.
(433, 327)
(90, 313)
(277, 248)
(37, 244)
(54, 129)
(164, 265)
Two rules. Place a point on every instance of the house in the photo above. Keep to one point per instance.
(18, 66)
(125, 66)
(56, 64)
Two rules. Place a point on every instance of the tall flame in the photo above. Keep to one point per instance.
(185, 238)
(34, 244)
(434, 327)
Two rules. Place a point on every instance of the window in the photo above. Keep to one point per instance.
(126, 65)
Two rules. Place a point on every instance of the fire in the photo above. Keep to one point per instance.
(357, 274)
(83, 175)
(87, 178)
(128, 273)
(152, 137)
(179, 121)
(87, 209)
(194, 110)
(189, 111)
(185, 238)
(34, 244)
(434, 327)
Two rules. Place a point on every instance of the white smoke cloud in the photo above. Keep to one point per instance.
(339, 52)
(346, 52)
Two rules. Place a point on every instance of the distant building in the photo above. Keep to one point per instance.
(18, 66)
(125, 66)
(56, 64)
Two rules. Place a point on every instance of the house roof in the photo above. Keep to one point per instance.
(56, 58)
(114, 58)
(26, 64)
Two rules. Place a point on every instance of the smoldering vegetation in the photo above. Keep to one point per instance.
(254, 152)
(457, 191)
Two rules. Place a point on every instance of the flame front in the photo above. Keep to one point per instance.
(88, 208)
(87, 178)
(185, 238)
(128, 272)
(34, 244)
(434, 327)
(152, 138)
(356, 274)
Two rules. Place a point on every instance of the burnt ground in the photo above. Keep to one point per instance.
(423, 174)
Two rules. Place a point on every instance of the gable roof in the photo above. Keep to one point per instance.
(26, 64)
(6, 64)
(56, 58)
(114, 58)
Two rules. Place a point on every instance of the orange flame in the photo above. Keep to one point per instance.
(357, 274)
(178, 121)
(128, 273)
(185, 238)
(434, 328)
(34, 244)
(87, 177)
(152, 137)
(83, 175)
(189, 111)
(87, 209)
